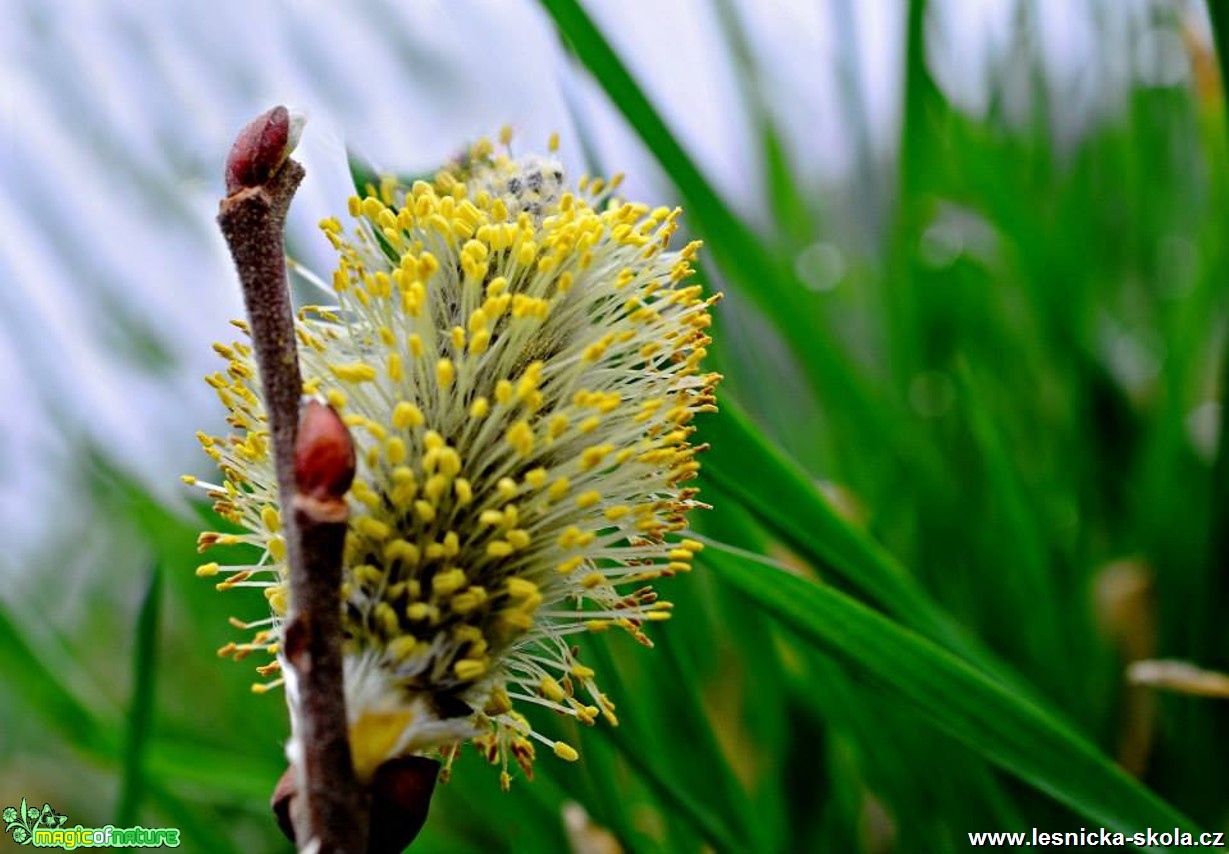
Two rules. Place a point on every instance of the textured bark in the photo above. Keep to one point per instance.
(332, 818)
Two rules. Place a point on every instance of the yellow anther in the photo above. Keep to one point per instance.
(526, 253)
(468, 670)
(394, 448)
(448, 581)
(519, 538)
(479, 408)
(558, 489)
(371, 207)
(419, 611)
(433, 441)
(536, 478)
(507, 488)
(207, 569)
(444, 372)
(570, 565)
(592, 457)
(477, 321)
(368, 575)
(493, 518)
(416, 346)
(401, 648)
(449, 462)
(520, 588)
(354, 372)
(406, 414)
(557, 426)
(271, 518)
(566, 752)
(405, 485)
(520, 437)
(468, 600)
(277, 548)
(480, 342)
(499, 548)
(395, 369)
(373, 528)
(336, 398)
(499, 703)
(515, 620)
(551, 690)
(402, 550)
(589, 424)
(435, 486)
(587, 499)
(465, 492)
(617, 512)
(452, 544)
(552, 144)
(425, 510)
(593, 579)
(386, 618)
(503, 392)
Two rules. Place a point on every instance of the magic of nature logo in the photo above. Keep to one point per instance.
(44, 828)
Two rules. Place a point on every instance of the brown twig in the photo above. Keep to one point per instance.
(261, 181)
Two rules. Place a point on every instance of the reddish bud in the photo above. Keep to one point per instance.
(283, 795)
(260, 149)
(323, 454)
(400, 798)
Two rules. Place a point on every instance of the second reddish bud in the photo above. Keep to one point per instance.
(324, 458)
(261, 148)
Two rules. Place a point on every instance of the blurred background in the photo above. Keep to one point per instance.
(974, 271)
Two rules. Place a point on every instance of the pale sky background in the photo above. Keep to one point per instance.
(115, 118)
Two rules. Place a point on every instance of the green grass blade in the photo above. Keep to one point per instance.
(46, 696)
(1017, 530)
(740, 252)
(141, 707)
(1217, 568)
(1007, 730)
(707, 823)
(242, 776)
(789, 505)
(786, 198)
(197, 832)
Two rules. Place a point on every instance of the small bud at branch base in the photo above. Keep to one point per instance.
(400, 798)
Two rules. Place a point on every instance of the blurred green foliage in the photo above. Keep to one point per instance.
(974, 483)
